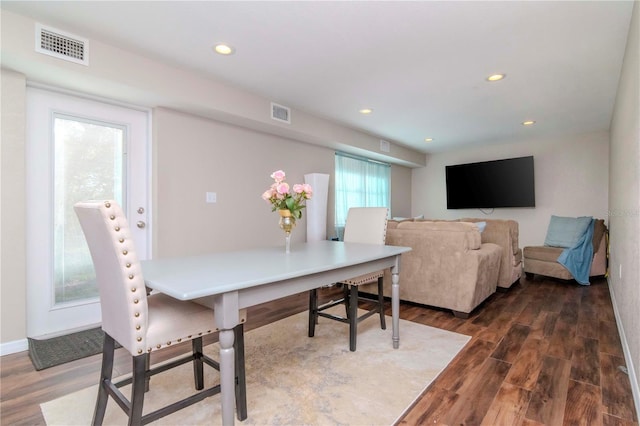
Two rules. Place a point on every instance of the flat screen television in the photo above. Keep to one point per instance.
(490, 184)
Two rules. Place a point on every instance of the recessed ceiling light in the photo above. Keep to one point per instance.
(496, 77)
(224, 49)
(366, 111)
(528, 123)
(428, 139)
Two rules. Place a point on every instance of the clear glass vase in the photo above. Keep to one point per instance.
(287, 223)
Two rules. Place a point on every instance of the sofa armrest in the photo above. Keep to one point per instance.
(504, 232)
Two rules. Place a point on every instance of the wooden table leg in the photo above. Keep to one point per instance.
(227, 376)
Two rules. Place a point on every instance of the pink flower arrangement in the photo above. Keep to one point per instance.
(282, 197)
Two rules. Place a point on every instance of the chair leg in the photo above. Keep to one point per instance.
(353, 317)
(241, 381)
(147, 367)
(198, 375)
(313, 311)
(108, 348)
(383, 324)
(346, 297)
(137, 389)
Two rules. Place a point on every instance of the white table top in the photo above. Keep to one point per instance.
(191, 277)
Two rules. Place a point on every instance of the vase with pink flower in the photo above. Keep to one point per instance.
(288, 201)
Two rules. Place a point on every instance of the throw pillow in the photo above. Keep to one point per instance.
(481, 226)
(565, 232)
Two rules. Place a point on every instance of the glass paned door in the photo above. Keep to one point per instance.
(89, 159)
(77, 149)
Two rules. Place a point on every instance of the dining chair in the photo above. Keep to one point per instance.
(144, 323)
(364, 225)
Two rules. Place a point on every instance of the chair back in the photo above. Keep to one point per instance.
(123, 297)
(366, 225)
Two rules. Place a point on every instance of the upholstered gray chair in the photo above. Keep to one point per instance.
(144, 323)
(366, 225)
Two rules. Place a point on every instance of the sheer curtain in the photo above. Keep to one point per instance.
(359, 182)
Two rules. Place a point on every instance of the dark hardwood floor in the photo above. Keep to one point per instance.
(545, 352)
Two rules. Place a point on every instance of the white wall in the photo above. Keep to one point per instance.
(12, 198)
(571, 179)
(195, 155)
(400, 191)
(624, 204)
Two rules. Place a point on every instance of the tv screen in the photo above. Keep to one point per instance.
(489, 184)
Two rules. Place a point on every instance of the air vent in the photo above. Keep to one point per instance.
(280, 113)
(62, 45)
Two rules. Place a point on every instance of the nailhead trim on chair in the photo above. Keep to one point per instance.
(122, 240)
(364, 279)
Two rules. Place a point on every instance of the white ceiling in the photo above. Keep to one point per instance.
(420, 65)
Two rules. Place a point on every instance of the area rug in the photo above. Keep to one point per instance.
(296, 380)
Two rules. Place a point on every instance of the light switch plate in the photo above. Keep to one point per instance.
(211, 197)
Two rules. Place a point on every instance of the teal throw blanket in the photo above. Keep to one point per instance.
(577, 259)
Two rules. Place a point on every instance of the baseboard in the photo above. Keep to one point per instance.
(13, 347)
(633, 378)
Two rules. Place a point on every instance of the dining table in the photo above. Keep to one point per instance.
(229, 281)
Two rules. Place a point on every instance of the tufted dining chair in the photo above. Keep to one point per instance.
(143, 323)
(366, 225)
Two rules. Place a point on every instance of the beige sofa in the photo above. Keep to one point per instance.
(449, 266)
(504, 233)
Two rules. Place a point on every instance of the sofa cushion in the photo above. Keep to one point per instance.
(546, 254)
(495, 229)
(469, 231)
(566, 231)
(392, 224)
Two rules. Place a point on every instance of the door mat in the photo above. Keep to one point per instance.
(47, 353)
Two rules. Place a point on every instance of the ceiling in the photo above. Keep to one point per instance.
(421, 65)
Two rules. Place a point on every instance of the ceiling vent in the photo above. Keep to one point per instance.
(280, 113)
(62, 45)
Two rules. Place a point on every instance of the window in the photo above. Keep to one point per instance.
(89, 163)
(360, 182)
